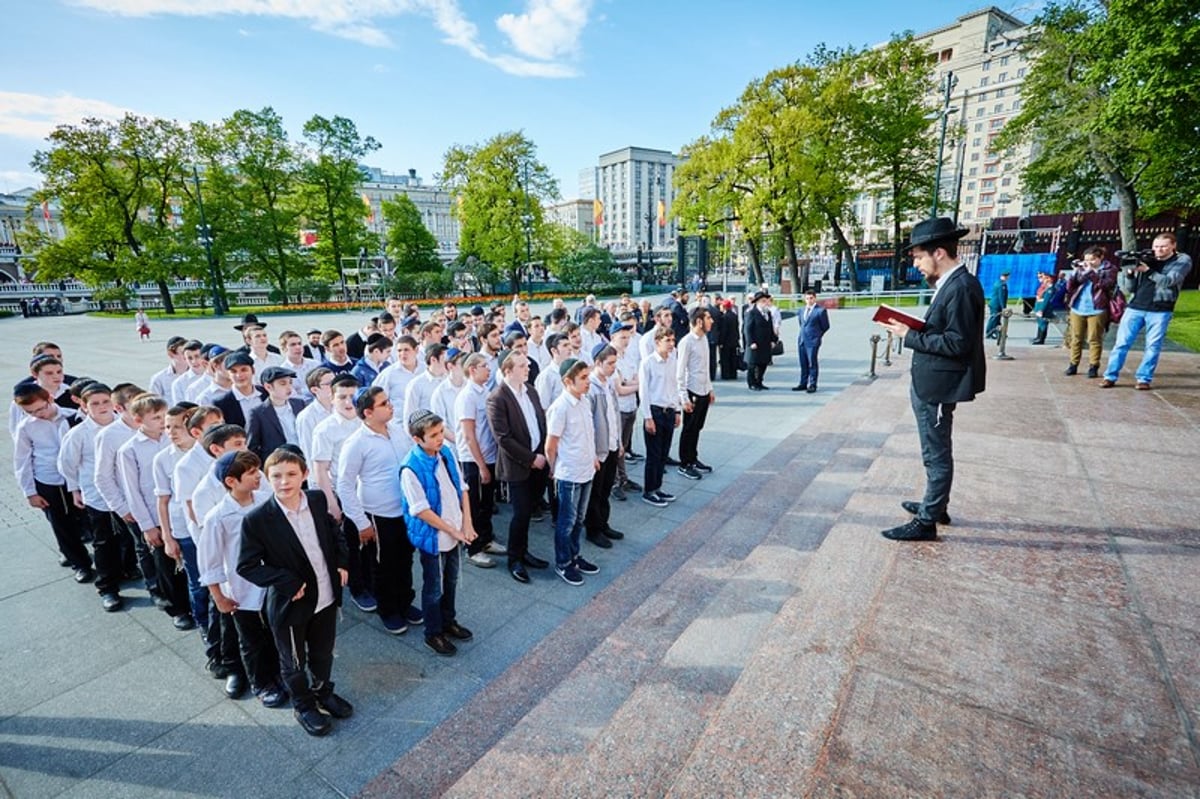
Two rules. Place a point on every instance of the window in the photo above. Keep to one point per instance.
(966, 215)
(987, 65)
(989, 183)
(978, 127)
(975, 142)
(985, 213)
(991, 169)
(1016, 106)
(973, 171)
(1006, 182)
(971, 185)
(996, 109)
(1003, 62)
(946, 55)
(1003, 77)
(1000, 93)
(982, 97)
(969, 200)
(1021, 72)
(978, 112)
(974, 156)
(983, 81)
(997, 123)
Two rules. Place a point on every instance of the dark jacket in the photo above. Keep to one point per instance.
(515, 456)
(948, 362)
(727, 328)
(757, 328)
(679, 318)
(231, 409)
(273, 557)
(264, 433)
(815, 326)
(1101, 281)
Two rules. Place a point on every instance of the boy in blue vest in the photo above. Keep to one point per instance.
(437, 514)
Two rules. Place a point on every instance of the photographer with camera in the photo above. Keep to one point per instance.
(1089, 289)
(1152, 282)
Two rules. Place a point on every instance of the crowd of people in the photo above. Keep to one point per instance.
(243, 487)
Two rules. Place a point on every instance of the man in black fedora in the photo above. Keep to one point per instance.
(250, 322)
(948, 366)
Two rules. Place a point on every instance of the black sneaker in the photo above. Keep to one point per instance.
(84, 575)
(689, 472)
(335, 706)
(663, 495)
(272, 697)
(585, 567)
(313, 721)
(671, 461)
(703, 467)
(654, 499)
(1072, 369)
(618, 493)
(111, 602)
(184, 622)
(414, 616)
(1093, 371)
(599, 541)
(913, 531)
(441, 644)
(631, 485)
(570, 575)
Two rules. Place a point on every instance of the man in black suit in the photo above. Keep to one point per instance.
(948, 366)
(273, 423)
(758, 331)
(521, 460)
(291, 547)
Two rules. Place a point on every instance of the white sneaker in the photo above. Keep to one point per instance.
(481, 560)
(495, 548)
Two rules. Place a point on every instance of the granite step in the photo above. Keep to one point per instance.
(617, 698)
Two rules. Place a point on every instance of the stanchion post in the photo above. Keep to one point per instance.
(887, 351)
(1002, 339)
(875, 339)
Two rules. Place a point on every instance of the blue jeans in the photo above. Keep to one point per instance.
(439, 585)
(197, 594)
(572, 509)
(935, 424)
(1132, 322)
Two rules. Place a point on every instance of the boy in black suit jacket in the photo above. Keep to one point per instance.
(291, 547)
(273, 423)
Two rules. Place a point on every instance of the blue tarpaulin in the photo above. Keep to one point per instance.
(1022, 280)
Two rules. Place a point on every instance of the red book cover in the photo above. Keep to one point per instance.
(886, 313)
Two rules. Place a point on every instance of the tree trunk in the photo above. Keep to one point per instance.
(752, 248)
(843, 247)
(1126, 198)
(789, 247)
(899, 256)
(164, 291)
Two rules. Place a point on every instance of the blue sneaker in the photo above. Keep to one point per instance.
(396, 625)
(364, 601)
(570, 575)
(414, 616)
(586, 567)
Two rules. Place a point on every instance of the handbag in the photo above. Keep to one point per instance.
(777, 347)
(1116, 306)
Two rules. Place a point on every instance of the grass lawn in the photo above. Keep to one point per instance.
(1185, 325)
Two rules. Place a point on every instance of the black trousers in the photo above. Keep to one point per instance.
(66, 521)
(522, 494)
(712, 361)
(168, 581)
(729, 362)
(755, 372)
(360, 560)
(136, 549)
(483, 502)
(393, 568)
(595, 521)
(693, 423)
(657, 446)
(307, 648)
(106, 550)
(229, 652)
(257, 649)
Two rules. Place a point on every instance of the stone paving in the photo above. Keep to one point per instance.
(119, 704)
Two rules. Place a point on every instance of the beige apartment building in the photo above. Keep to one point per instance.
(980, 53)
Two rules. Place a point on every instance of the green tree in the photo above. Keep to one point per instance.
(328, 184)
(116, 183)
(587, 268)
(413, 250)
(890, 134)
(1109, 107)
(252, 172)
(498, 189)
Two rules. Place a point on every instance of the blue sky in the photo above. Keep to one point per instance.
(580, 77)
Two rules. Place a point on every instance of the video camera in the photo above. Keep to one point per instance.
(1131, 258)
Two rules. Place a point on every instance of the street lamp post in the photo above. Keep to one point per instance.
(527, 226)
(205, 233)
(702, 252)
(948, 84)
(651, 182)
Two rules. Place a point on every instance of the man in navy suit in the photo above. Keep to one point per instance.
(948, 366)
(814, 323)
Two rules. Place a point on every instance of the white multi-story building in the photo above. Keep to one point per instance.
(17, 215)
(635, 186)
(980, 53)
(578, 215)
(434, 203)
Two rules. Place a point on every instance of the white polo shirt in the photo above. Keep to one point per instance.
(471, 403)
(570, 420)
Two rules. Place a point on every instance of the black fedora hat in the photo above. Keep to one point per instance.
(249, 320)
(939, 229)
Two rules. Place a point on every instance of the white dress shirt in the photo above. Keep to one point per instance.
(442, 403)
(77, 462)
(570, 420)
(368, 480)
(419, 394)
(210, 491)
(549, 385)
(218, 549)
(329, 438)
(35, 450)
(108, 474)
(657, 382)
(627, 372)
(692, 366)
(163, 470)
(394, 380)
(162, 381)
(306, 422)
(306, 530)
(189, 472)
(135, 460)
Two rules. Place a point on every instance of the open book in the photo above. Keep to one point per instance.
(886, 313)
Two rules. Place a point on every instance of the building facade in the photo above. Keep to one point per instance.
(17, 215)
(635, 187)
(578, 215)
(433, 202)
(979, 54)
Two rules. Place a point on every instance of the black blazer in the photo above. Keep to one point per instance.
(758, 329)
(264, 433)
(273, 557)
(948, 362)
(231, 409)
(514, 459)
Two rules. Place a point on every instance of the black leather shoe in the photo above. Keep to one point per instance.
(84, 576)
(798, 388)
(273, 697)
(812, 389)
(1072, 369)
(313, 721)
(63, 561)
(517, 570)
(615, 535)
(235, 685)
(160, 601)
(111, 602)
(457, 631)
(671, 461)
(335, 706)
(184, 622)
(915, 507)
(534, 562)
(913, 531)
(440, 644)
(600, 541)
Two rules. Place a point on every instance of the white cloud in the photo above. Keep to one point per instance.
(15, 180)
(33, 116)
(547, 30)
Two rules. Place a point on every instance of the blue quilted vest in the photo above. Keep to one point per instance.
(424, 466)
